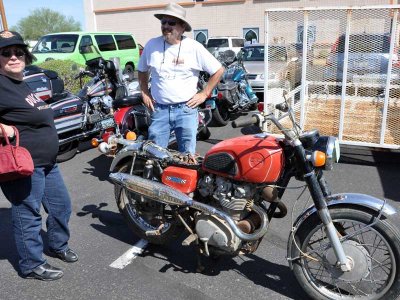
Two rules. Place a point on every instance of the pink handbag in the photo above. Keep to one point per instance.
(15, 161)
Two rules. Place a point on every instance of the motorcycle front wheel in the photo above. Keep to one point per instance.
(147, 219)
(373, 251)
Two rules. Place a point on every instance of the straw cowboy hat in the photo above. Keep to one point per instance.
(177, 11)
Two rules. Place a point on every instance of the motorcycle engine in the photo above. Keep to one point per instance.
(100, 108)
(233, 199)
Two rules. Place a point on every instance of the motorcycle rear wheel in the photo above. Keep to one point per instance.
(374, 253)
(220, 115)
(67, 151)
(144, 216)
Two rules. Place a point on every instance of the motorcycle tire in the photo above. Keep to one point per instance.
(204, 134)
(143, 215)
(220, 116)
(67, 151)
(374, 254)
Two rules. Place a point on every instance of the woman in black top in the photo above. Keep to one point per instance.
(34, 120)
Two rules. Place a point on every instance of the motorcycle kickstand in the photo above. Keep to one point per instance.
(189, 240)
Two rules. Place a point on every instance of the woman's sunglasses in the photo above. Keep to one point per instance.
(9, 52)
(170, 22)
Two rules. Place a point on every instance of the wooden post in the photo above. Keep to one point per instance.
(3, 16)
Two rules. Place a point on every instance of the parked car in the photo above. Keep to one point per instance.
(368, 59)
(84, 46)
(284, 66)
(219, 44)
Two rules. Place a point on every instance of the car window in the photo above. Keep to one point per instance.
(85, 41)
(237, 42)
(217, 43)
(125, 42)
(105, 42)
(253, 53)
(365, 44)
(59, 43)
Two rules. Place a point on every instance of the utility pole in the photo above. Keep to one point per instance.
(3, 17)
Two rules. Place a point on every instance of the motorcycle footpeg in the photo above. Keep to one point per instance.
(189, 240)
(153, 232)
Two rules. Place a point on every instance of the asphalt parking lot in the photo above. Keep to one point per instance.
(100, 237)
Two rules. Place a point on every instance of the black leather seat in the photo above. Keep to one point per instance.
(127, 101)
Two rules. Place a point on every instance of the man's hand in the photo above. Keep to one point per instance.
(197, 99)
(144, 86)
(148, 101)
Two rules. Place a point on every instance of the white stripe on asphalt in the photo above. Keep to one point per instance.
(126, 258)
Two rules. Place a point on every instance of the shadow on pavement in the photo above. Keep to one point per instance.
(100, 167)
(113, 224)
(261, 272)
(8, 250)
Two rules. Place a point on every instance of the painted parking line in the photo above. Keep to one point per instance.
(126, 258)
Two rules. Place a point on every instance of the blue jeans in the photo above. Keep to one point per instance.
(179, 118)
(45, 186)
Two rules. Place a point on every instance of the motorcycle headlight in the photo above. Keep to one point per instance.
(325, 152)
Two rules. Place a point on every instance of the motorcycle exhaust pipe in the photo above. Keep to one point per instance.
(162, 193)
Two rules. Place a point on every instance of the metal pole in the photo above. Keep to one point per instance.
(304, 70)
(388, 76)
(3, 16)
(344, 75)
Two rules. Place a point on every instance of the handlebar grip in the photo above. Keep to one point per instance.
(244, 123)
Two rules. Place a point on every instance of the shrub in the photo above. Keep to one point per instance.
(66, 69)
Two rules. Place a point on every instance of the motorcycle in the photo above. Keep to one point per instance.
(81, 116)
(133, 118)
(233, 93)
(344, 246)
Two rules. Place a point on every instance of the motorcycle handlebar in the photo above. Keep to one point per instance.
(83, 73)
(244, 123)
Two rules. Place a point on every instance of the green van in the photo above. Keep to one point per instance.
(83, 46)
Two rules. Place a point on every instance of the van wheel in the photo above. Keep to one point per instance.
(129, 70)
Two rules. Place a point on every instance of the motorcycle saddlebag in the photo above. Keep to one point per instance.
(68, 113)
(229, 92)
(46, 84)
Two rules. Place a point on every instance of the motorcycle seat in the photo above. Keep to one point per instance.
(127, 101)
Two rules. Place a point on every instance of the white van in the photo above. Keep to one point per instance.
(222, 43)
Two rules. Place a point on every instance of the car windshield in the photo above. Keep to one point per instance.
(59, 43)
(256, 53)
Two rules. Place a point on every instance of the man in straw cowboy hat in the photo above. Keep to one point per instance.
(174, 62)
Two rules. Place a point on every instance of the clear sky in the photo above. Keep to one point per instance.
(18, 9)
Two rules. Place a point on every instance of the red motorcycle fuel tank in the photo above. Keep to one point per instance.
(184, 180)
(249, 158)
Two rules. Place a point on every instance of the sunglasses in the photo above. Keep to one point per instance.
(170, 22)
(8, 53)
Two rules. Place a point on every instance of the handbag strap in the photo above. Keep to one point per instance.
(6, 136)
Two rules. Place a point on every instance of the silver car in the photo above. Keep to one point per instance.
(284, 66)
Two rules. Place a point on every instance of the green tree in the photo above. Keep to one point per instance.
(42, 21)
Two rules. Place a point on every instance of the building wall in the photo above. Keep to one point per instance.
(214, 17)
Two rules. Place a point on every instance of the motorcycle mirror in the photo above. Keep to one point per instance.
(74, 67)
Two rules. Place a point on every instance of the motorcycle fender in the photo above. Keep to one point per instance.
(123, 154)
(342, 200)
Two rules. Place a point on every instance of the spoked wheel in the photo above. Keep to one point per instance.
(373, 251)
(148, 219)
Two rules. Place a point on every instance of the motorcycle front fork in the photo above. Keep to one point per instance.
(319, 191)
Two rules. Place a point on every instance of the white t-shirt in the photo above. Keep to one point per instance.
(175, 69)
